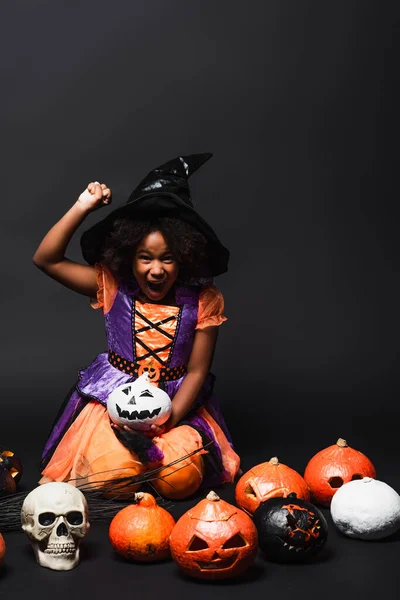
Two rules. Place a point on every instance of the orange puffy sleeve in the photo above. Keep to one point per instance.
(107, 289)
(211, 307)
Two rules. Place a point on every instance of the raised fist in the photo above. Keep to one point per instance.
(95, 196)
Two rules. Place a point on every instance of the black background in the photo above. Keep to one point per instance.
(296, 99)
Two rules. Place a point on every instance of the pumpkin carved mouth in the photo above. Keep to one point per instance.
(137, 414)
(218, 564)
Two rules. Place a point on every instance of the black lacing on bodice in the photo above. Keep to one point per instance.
(157, 326)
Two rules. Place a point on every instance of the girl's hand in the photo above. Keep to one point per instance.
(154, 430)
(95, 196)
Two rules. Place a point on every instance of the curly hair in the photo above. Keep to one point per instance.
(188, 246)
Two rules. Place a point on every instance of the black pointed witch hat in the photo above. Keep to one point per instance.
(163, 192)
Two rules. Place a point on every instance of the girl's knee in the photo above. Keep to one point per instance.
(183, 478)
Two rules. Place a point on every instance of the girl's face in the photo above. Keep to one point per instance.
(154, 266)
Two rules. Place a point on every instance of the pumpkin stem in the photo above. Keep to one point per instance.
(341, 443)
(138, 496)
(274, 461)
(213, 497)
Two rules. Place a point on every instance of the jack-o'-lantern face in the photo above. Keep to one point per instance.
(216, 547)
(258, 489)
(12, 463)
(290, 529)
(267, 480)
(7, 483)
(214, 540)
(334, 466)
(139, 404)
(303, 527)
(152, 370)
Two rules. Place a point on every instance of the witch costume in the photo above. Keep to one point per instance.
(155, 338)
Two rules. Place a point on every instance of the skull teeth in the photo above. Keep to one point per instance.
(60, 549)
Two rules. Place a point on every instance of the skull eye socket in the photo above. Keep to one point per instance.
(197, 544)
(75, 518)
(236, 541)
(47, 518)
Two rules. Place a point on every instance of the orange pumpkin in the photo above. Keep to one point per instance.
(183, 478)
(141, 531)
(268, 480)
(330, 468)
(214, 540)
(2, 549)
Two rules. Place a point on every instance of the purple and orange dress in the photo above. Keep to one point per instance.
(141, 336)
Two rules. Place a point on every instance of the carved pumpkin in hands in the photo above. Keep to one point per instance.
(139, 404)
(12, 463)
(290, 529)
(214, 540)
(141, 531)
(268, 480)
(330, 468)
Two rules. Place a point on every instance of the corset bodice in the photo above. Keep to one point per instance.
(126, 331)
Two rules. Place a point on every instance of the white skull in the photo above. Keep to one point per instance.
(55, 517)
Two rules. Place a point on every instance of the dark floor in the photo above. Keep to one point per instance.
(344, 568)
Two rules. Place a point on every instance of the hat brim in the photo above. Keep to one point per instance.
(157, 205)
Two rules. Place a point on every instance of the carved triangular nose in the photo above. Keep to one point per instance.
(132, 400)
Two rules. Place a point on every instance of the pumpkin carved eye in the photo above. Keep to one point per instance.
(335, 482)
(236, 541)
(197, 543)
(357, 476)
(249, 491)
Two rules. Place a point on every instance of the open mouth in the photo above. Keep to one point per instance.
(219, 564)
(156, 286)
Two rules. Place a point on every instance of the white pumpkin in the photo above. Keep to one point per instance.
(366, 509)
(139, 404)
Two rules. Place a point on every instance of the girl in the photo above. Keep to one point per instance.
(150, 268)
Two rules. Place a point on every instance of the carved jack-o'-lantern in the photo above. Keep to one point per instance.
(12, 463)
(268, 480)
(7, 483)
(139, 404)
(290, 529)
(214, 540)
(330, 468)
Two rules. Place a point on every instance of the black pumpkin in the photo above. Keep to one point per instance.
(7, 483)
(290, 529)
(12, 463)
